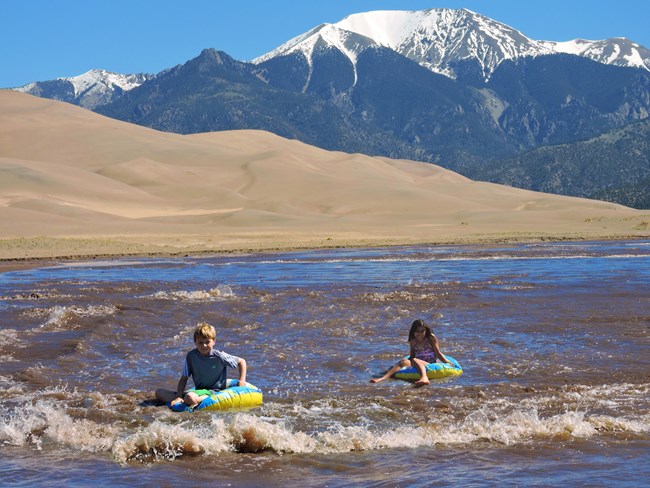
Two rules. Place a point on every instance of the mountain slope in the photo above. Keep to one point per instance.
(635, 195)
(614, 166)
(562, 98)
(447, 121)
(214, 92)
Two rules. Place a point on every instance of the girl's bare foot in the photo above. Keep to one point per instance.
(376, 380)
(422, 381)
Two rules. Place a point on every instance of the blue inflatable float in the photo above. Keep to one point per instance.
(435, 371)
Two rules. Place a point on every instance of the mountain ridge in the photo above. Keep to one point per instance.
(391, 106)
(448, 36)
(343, 90)
(89, 90)
(439, 39)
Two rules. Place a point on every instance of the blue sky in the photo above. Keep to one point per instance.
(46, 39)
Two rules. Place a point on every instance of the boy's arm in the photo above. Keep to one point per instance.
(180, 389)
(241, 366)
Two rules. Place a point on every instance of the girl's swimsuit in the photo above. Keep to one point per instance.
(425, 354)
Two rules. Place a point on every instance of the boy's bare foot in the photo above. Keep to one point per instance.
(422, 381)
(375, 380)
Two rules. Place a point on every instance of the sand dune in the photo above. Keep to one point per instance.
(76, 183)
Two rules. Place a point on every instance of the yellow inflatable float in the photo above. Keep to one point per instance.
(231, 397)
(435, 371)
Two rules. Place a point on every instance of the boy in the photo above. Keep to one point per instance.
(206, 366)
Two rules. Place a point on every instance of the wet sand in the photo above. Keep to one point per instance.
(27, 253)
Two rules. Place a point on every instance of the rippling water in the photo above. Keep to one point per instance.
(554, 340)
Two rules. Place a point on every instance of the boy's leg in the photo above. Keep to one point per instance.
(193, 399)
(166, 396)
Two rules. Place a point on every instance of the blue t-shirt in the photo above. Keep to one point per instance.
(208, 372)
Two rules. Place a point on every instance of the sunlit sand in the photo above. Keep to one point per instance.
(76, 184)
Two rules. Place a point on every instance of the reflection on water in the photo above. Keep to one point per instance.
(553, 339)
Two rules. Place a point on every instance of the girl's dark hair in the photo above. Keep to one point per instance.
(421, 324)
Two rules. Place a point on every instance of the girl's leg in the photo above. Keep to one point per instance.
(422, 367)
(404, 363)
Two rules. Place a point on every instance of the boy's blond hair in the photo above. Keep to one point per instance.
(205, 331)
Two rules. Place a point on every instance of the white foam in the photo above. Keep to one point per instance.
(160, 441)
(44, 422)
(57, 318)
(218, 293)
(329, 425)
(61, 316)
(10, 337)
(8, 386)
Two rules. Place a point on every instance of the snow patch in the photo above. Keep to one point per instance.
(439, 38)
(93, 77)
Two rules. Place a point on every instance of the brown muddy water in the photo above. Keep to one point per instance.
(554, 340)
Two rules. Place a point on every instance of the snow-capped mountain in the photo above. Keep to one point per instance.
(324, 36)
(449, 87)
(617, 51)
(89, 90)
(444, 39)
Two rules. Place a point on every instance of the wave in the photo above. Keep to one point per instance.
(247, 433)
(403, 295)
(45, 423)
(217, 293)
(444, 258)
(34, 295)
(63, 317)
(9, 337)
(62, 419)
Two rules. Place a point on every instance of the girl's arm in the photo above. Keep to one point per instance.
(411, 352)
(241, 366)
(436, 349)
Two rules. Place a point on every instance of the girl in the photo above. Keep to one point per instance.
(424, 350)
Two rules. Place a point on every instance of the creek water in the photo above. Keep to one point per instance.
(554, 340)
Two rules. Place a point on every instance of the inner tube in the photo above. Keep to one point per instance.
(435, 371)
(231, 397)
